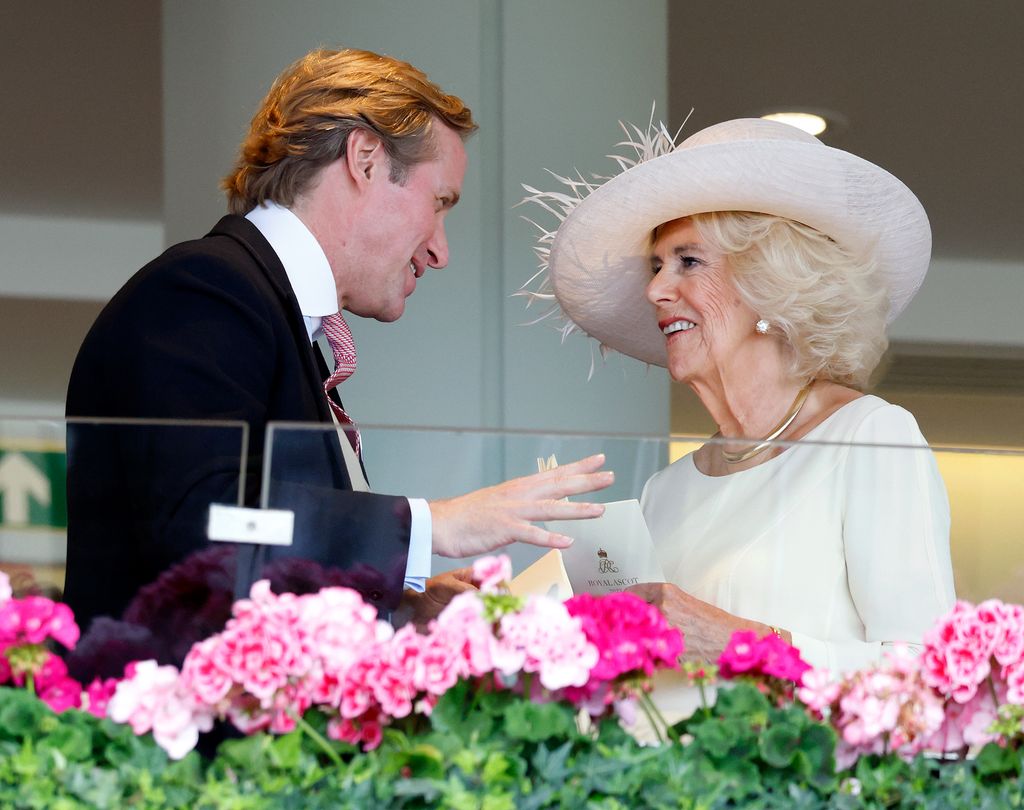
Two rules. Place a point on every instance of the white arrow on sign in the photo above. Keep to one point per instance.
(19, 479)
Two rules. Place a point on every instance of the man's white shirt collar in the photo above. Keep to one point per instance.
(305, 262)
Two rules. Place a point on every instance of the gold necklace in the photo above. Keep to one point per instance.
(763, 444)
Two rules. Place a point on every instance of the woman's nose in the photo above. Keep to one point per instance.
(661, 290)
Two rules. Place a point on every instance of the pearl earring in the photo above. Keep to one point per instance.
(762, 327)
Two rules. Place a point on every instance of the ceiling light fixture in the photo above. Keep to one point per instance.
(808, 122)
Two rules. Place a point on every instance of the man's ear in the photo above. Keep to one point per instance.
(365, 156)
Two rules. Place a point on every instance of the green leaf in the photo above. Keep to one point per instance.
(535, 722)
(286, 750)
(720, 736)
(21, 713)
(453, 715)
(423, 761)
(73, 741)
(994, 761)
(743, 700)
(816, 759)
(778, 745)
(248, 754)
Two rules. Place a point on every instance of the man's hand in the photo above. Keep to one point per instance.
(706, 628)
(420, 608)
(488, 519)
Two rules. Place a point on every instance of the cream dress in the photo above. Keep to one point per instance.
(844, 545)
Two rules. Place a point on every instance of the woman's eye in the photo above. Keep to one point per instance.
(689, 262)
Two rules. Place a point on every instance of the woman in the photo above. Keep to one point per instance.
(761, 267)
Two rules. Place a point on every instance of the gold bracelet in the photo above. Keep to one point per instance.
(776, 631)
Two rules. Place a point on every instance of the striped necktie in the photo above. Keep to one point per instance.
(344, 349)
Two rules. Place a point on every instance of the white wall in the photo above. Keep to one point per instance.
(73, 258)
(966, 301)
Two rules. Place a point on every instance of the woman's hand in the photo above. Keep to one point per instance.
(705, 627)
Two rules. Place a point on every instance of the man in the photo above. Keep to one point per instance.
(338, 199)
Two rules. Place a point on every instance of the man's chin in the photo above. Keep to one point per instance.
(391, 315)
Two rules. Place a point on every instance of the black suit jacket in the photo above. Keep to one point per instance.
(210, 330)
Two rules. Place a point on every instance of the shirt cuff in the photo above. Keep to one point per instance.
(417, 567)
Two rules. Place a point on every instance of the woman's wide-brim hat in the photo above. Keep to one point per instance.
(598, 260)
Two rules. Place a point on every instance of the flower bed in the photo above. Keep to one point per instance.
(503, 703)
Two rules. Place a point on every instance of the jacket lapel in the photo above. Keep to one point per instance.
(248, 236)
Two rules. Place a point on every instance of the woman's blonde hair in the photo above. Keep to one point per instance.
(829, 303)
(314, 105)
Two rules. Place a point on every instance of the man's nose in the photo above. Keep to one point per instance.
(437, 249)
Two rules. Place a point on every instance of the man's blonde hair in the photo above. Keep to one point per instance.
(314, 105)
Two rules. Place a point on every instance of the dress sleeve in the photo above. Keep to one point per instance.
(896, 541)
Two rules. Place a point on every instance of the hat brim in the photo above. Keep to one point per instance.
(599, 265)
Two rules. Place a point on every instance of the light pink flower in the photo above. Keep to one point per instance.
(548, 641)
(436, 669)
(201, 674)
(1009, 643)
(492, 573)
(469, 635)
(394, 684)
(154, 699)
(5, 588)
(818, 689)
(357, 694)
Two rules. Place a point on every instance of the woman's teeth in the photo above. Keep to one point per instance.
(678, 326)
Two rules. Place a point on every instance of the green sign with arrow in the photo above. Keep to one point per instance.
(32, 488)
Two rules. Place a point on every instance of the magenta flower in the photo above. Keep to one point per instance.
(631, 636)
(770, 656)
(62, 695)
(33, 620)
(98, 695)
(741, 655)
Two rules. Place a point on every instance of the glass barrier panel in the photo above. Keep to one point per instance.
(439, 463)
(110, 516)
(806, 540)
(865, 541)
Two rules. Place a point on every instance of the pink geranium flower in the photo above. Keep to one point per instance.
(544, 638)
(62, 694)
(492, 573)
(817, 689)
(98, 695)
(742, 654)
(155, 699)
(630, 635)
(747, 654)
(34, 619)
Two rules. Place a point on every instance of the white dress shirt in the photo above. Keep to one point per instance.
(312, 281)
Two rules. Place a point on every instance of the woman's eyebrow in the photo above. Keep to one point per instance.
(687, 248)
